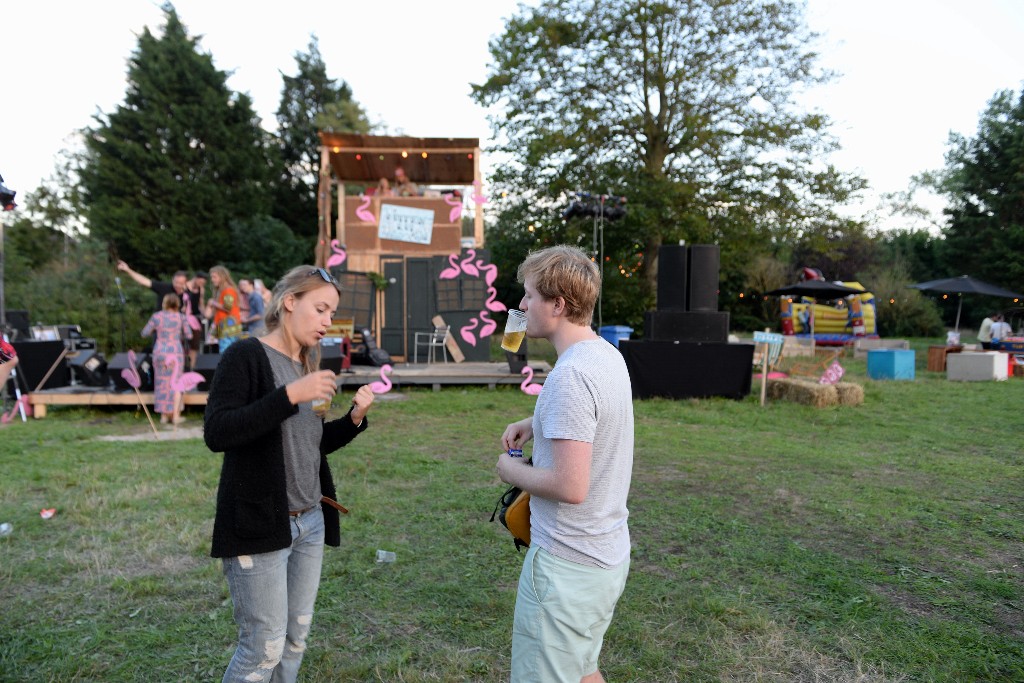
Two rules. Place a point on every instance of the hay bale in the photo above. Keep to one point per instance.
(850, 394)
(803, 391)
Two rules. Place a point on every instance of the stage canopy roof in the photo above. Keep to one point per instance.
(427, 161)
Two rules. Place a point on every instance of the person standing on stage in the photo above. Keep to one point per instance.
(169, 326)
(223, 308)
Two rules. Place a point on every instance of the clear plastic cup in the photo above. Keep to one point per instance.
(515, 331)
(321, 406)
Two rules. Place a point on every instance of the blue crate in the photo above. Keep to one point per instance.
(890, 364)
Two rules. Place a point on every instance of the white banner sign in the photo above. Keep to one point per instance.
(406, 224)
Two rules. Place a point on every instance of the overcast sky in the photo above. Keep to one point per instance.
(911, 70)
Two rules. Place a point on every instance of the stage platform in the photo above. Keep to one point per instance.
(434, 375)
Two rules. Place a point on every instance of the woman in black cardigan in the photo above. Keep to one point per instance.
(271, 526)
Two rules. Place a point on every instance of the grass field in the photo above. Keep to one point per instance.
(881, 542)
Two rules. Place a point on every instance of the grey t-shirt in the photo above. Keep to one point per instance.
(301, 435)
(587, 397)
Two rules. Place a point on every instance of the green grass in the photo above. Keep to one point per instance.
(874, 543)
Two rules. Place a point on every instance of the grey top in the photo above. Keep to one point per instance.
(301, 436)
(587, 397)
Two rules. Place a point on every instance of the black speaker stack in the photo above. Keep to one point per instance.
(685, 351)
(687, 305)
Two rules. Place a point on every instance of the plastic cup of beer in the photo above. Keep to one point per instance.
(321, 406)
(515, 331)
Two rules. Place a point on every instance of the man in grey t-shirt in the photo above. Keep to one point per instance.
(582, 428)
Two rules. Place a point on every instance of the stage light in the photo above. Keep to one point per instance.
(469, 156)
(359, 157)
(336, 149)
(423, 154)
(381, 157)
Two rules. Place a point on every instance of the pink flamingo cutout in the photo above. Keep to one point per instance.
(467, 264)
(467, 331)
(833, 374)
(527, 386)
(182, 382)
(489, 270)
(488, 327)
(20, 404)
(131, 375)
(453, 270)
(383, 386)
(478, 197)
(493, 305)
(363, 213)
(339, 255)
(456, 204)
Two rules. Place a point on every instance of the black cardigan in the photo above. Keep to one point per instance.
(244, 412)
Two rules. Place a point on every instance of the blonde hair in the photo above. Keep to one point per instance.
(296, 282)
(567, 272)
(171, 302)
(225, 279)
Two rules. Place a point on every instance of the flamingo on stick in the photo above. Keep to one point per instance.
(134, 380)
(384, 386)
(182, 382)
(527, 386)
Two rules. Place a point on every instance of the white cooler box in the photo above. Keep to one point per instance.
(976, 367)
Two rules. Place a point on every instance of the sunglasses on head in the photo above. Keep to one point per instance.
(325, 276)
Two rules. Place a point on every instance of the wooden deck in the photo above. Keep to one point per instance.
(402, 375)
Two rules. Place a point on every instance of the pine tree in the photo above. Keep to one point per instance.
(166, 173)
(310, 102)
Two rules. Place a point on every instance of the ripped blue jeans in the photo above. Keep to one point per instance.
(273, 595)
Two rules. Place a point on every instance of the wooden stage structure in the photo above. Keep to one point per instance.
(402, 375)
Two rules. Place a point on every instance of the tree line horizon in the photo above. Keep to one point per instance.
(685, 108)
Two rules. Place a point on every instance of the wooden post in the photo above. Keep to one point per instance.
(478, 213)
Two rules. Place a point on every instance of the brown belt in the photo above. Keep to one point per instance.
(324, 499)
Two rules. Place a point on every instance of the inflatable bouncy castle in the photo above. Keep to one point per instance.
(835, 323)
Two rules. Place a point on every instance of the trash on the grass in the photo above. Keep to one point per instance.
(385, 557)
(47, 513)
(6, 529)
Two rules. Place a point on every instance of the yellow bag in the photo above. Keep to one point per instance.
(515, 515)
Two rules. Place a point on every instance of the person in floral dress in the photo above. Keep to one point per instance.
(170, 327)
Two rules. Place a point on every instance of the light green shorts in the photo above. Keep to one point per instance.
(562, 612)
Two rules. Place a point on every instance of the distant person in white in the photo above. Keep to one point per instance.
(582, 428)
(1000, 329)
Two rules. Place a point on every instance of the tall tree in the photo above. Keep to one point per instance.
(166, 173)
(685, 106)
(984, 183)
(310, 102)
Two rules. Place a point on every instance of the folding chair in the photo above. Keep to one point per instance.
(432, 340)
